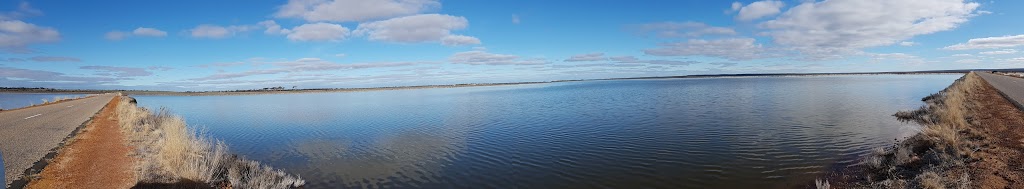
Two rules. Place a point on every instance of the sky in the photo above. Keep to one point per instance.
(192, 45)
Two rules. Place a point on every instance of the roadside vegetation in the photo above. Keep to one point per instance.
(170, 154)
(965, 142)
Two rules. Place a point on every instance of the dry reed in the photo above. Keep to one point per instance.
(925, 160)
(170, 152)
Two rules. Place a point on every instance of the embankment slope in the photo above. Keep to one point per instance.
(970, 137)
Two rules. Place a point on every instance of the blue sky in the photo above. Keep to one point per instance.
(224, 45)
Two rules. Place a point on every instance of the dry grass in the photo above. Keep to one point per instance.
(928, 159)
(171, 152)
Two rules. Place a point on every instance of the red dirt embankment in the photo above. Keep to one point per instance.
(97, 158)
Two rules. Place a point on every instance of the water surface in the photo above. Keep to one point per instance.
(17, 100)
(764, 132)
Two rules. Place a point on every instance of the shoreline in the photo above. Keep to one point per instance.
(126, 146)
(968, 139)
(366, 89)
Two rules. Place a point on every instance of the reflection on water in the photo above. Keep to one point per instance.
(691, 133)
(17, 100)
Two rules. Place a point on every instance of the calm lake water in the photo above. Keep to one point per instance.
(18, 100)
(776, 132)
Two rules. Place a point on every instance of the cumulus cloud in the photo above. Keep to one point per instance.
(990, 43)
(900, 57)
(682, 29)
(826, 29)
(759, 9)
(16, 36)
(119, 71)
(730, 48)
(148, 32)
(587, 57)
(24, 10)
(318, 32)
(486, 58)
(907, 43)
(218, 32)
(999, 52)
(417, 28)
(210, 31)
(116, 35)
(353, 10)
(458, 40)
(271, 27)
(141, 31)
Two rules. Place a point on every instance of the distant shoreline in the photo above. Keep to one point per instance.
(328, 90)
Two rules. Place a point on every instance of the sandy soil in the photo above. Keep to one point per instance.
(97, 158)
(998, 123)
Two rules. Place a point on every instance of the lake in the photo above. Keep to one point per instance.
(17, 100)
(756, 132)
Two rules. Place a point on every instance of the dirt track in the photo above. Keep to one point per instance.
(29, 134)
(99, 157)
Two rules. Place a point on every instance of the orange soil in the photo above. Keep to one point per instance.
(97, 158)
(998, 124)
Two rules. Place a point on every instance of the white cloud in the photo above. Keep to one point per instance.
(457, 40)
(631, 59)
(759, 9)
(303, 65)
(990, 43)
(210, 31)
(149, 32)
(683, 29)
(141, 31)
(121, 72)
(415, 28)
(16, 36)
(24, 10)
(908, 43)
(587, 57)
(962, 55)
(340, 55)
(116, 35)
(318, 32)
(217, 32)
(826, 29)
(485, 58)
(55, 59)
(353, 10)
(730, 48)
(895, 56)
(999, 52)
(272, 27)
(736, 6)
(1015, 60)
(968, 61)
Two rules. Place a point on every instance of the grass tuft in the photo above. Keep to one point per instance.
(171, 152)
(926, 160)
